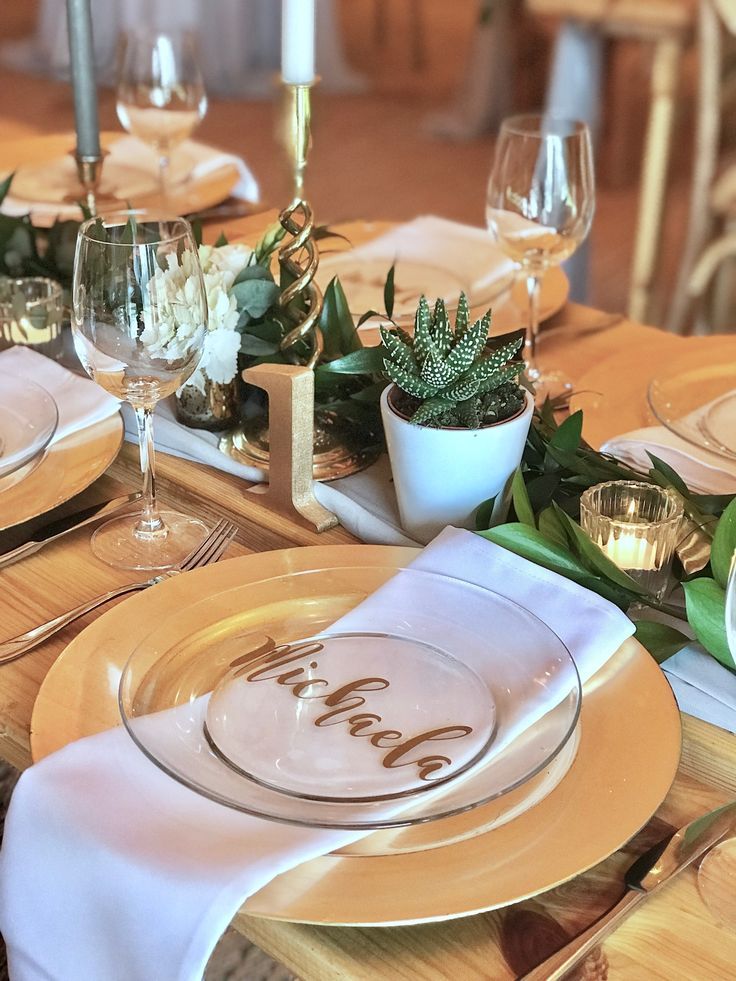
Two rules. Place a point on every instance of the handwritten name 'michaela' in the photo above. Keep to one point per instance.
(343, 702)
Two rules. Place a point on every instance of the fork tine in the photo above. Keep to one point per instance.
(217, 549)
(204, 546)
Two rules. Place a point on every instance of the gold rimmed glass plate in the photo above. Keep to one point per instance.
(695, 398)
(349, 697)
(586, 807)
(65, 469)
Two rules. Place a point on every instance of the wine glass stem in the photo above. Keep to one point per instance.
(530, 340)
(163, 173)
(150, 525)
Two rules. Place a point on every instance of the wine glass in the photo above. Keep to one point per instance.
(539, 208)
(139, 322)
(717, 871)
(160, 93)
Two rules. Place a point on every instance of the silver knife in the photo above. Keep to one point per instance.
(650, 871)
(63, 526)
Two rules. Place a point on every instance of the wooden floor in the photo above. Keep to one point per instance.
(373, 157)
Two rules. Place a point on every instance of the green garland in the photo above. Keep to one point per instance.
(557, 466)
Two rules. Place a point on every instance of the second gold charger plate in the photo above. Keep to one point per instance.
(65, 469)
(624, 764)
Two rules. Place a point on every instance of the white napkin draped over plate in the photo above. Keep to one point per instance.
(81, 402)
(111, 870)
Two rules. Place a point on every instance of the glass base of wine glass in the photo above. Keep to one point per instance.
(117, 543)
(548, 383)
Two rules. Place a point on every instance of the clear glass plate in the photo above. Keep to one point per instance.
(696, 399)
(352, 697)
(28, 421)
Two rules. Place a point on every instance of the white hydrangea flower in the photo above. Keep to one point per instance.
(172, 314)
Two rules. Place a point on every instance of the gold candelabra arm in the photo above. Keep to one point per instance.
(89, 169)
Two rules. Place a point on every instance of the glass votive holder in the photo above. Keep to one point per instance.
(31, 313)
(637, 525)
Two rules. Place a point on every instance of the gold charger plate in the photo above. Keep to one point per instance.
(45, 177)
(627, 757)
(66, 469)
(613, 393)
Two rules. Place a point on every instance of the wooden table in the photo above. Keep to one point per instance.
(671, 936)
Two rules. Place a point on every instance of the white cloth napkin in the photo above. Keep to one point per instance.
(702, 686)
(467, 256)
(702, 470)
(110, 870)
(81, 403)
(130, 171)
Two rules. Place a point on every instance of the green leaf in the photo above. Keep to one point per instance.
(663, 474)
(551, 527)
(520, 498)
(530, 544)
(388, 292)
(567, 436)
(367, 316)
(484, 513)
(221, 240)
(431, 409)
(661, 640)
(705, 604)
(422, 330)
(398, 350)
(253, 272)
(366, 361)
(724, 545)
(256, 346)
(595, 556)
(255, 296)
(336, 323)
(5, 186)
(268, 243)
(197, 230)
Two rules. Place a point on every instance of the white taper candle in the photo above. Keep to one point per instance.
(297, 41)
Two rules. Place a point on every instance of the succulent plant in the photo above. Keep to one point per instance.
(451, 376)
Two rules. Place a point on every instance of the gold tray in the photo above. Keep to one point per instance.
(627, 757)
(66, 469)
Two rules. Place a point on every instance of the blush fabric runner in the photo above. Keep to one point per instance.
(112, 870)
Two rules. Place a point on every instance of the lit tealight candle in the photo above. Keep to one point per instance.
(297, 42)
(630, 551)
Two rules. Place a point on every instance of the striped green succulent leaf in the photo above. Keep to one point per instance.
(443, 336)
(485, 367)
(398, 350)
(468, 413)
(501, 376)
(422, 330)
(462, 317)
(462, 390)
(431, 409)
(435, 370)
(467, 350)
(410, 383)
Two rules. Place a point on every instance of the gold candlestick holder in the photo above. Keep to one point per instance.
(89, 170)
(334, 453)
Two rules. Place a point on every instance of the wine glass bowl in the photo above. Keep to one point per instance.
(539, 208)
(139, 324)
(161, 97)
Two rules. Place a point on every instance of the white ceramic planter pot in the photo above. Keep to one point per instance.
(442, 475)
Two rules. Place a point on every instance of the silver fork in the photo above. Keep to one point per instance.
(205, 553)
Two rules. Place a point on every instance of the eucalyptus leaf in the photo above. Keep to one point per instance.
(250, 344)
(255, 296)
(520, 498)
(253, 272)
(660, 639)
(705, 603)
(724, 545)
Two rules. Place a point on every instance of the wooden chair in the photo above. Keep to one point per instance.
(668, 27)
(710, 246)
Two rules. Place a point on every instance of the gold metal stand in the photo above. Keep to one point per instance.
(301, 305)
(89, 170)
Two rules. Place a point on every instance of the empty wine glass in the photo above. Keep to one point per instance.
(539, 208)
(139, 322)
(160, 94)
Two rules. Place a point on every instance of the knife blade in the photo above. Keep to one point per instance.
(645, 876)
(59, 527)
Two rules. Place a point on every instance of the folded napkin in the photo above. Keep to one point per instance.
(703, 471)
(702, 686)
(80, 401)
(111, 870)
(130, 172)
(458, 257)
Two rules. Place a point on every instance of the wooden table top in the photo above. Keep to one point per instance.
(670, 936)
